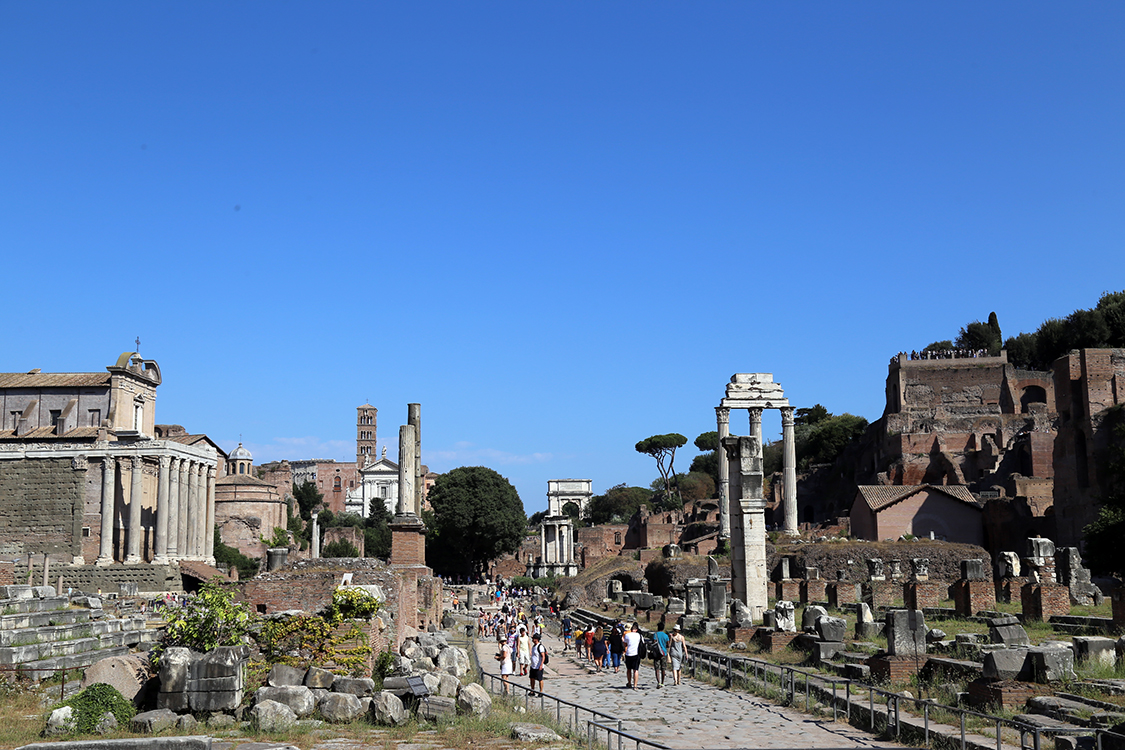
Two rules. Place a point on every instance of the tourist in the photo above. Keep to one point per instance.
(538, 660)
(589, 642)
(677, 651)
(598, 650)
(523, 650)
(507, 668)
(632, 656)
(580, 642)
(616, 646)
(567, 632)
(660, 655)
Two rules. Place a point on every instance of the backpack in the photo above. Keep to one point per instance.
(642, 649)
(546, 656)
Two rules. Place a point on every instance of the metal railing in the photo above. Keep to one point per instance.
(827, 687)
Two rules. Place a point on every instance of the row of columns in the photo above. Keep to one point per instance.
(185, 510)
(789, 463)
(564, 548)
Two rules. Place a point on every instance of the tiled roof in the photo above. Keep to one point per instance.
(242, 479)
(53, 379)
(878, 496)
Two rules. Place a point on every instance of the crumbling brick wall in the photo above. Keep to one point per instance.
(41, 507)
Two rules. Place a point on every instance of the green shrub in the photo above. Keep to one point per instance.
(340, 548)
(93, 702)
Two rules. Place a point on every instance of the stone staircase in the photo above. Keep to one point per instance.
(41, 634)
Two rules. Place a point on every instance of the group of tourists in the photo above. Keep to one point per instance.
(519, 644)
(940, 354)
(609, 647)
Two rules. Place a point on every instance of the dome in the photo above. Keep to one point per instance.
(241, 454)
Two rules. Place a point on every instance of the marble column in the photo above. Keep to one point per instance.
(136, 495)
(183, 502)
(414, 418)
(174, 509)
(160, 553)
(314, 545)
(406, 448)
(193, 510)
(543, 544)
(722, 415)
(199, 508)
(209, 530)
(109, 493)
(789, 499)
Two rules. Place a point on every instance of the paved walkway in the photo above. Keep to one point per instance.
(691, 715)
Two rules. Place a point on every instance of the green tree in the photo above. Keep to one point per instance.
(377, 534)
(1086, 329)
(708, 441)
(1021, 351)
(210, 619)
(308, 498)
(339, 548)
(939, 346)
(230, 556)
(811, 415)
(708, 461)
(695, 486)
(573, 511)
(617, 505)
(1050, 342)
(977, 335)
(1112, 307)
(663, 449)
(536, 518)
(478, 516)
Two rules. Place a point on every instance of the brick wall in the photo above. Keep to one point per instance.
(1043, 601)
(7, 573)
(815, 590)
(970, 597)
(922, 594)
(41, 507)
(602, 541)
(840, 593)
(1118, 598)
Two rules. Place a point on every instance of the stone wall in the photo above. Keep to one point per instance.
(108, 578)
(42, 507)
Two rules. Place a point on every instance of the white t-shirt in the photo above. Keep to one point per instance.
(632, 643)
(537, 650)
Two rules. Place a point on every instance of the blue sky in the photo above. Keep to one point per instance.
(560, 227)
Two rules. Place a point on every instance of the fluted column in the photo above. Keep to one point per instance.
(722, 416)
(789, 448)
(174, 508)
(199, 508)
(183, 503)
(160, 551)
(209, 530)
(136, 495)
(109, 487)
(193, 510)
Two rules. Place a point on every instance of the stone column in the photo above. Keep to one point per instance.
(790, 464)
(414, 419)
(174, 509)
(406, 448)
(209, 531)
(314, 545)
(543, 542)
(722, 415)
(199, 507)
(109, 487)
(184, 503)
(193, 510)
(160, 551)
(749, 580)
(136, 495)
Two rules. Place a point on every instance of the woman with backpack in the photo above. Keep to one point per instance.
(539, 659)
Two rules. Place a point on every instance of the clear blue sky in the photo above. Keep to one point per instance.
(561, 227)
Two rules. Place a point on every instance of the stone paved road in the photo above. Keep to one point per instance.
(691, 715)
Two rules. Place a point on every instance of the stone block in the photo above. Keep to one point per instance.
(127, 674)
(825, 650)
(272, 717)
(1006, 664)
(44, 592)
(784, 617)
(340, 708)
(533, 733)
(297, 697)
(906, 632)
(387, 709)
(1007, 631)
(740, 615)
(448, 685)
(1096, 649)
(437, 708)
(972, 570)
(215, 700)
(860, 672)
(474, 699)
(676, 606)
(283, 674)
(1051, 664)
(357, 686)
(810, 615)
(831, 628)
(316, 677)
(642, 600)
(716, 599)
(1042, 601)
(153, 722)
(175, 669)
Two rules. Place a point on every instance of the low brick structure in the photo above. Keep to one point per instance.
(788, 590)
(970, 597)
(887, 668)
(743, 635)
(814, 591)
(1118, 597)
(879, 593)
(841, 593)
(776, 640)
(1042, 601)
(1009, 694)
(922, 594)
(1008, 589)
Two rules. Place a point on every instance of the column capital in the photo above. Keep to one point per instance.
(722, 413)
(138, 462)
(786, 414)
(165, 462)
(755, 413)
(211, 472)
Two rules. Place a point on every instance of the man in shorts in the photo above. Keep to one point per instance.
(567, 631)
(538, 652)
(660, 655)
(632, 656)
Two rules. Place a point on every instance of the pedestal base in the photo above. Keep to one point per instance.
(895, 668)
(922, 594)
(1042, 601)
(970, 597)
(840, 593)
(408, 541)
(814, 591)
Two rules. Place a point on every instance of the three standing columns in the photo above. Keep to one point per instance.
(789, 476)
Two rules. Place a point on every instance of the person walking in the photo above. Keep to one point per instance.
(507, 667)
(567, 632)
(523, 650)
(632, 656)
(580, 642)
(599, 649)
(660, 643)
(616, 647)
(538, 661)
(677, 651)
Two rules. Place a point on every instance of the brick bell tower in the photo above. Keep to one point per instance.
(365, 435)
